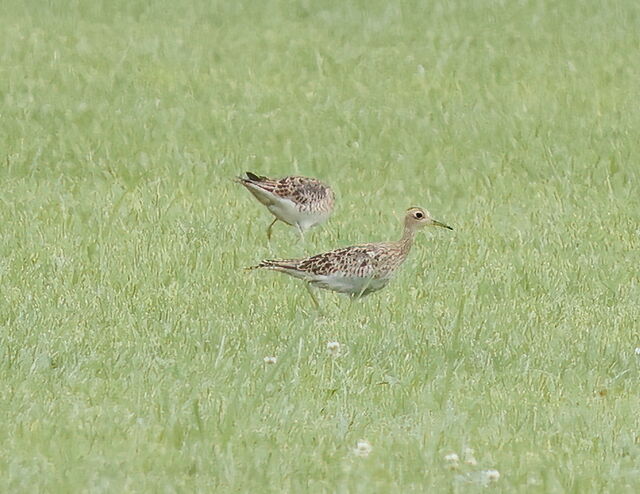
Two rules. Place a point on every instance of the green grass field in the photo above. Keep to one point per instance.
(132, 341)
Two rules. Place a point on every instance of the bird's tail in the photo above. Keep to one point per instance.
(277, 264)
(254, 177)
(261, 187)
(251, 178)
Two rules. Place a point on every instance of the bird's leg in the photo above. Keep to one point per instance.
(313, 296)
(363, 291)
(300, 232)
(269, 229)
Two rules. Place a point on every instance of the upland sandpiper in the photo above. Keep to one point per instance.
(360, 269)
(297, 201)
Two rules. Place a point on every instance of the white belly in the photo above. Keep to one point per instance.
(351, 285)
(285, 210)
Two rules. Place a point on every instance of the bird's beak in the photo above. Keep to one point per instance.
(437, 223)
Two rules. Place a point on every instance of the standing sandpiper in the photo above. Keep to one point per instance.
(297, 201)
(360, 269)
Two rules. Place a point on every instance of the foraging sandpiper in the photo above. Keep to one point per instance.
(297, 201)
(360, 269)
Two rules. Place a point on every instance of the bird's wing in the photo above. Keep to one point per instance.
(358, 260)
(304, 190)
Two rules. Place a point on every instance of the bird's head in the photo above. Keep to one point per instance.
(418, 218)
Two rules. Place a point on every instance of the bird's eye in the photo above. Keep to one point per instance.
(418, 215)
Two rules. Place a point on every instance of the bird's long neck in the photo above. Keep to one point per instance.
(406, 241)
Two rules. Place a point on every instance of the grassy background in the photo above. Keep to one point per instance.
(132, 343)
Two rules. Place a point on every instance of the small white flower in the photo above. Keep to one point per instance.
(363, 448)
(333, 348)
(60, 261)
(451, 458)
(492, 475)
(638, 350)
(533, 480)
(270, 360)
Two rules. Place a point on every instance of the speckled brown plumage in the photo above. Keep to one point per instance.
(359, 269)
(375, 260)
(298, 201)
(308, 193)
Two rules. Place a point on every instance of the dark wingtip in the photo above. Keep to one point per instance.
(269, 264)
(262, 264)
(253, 176)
